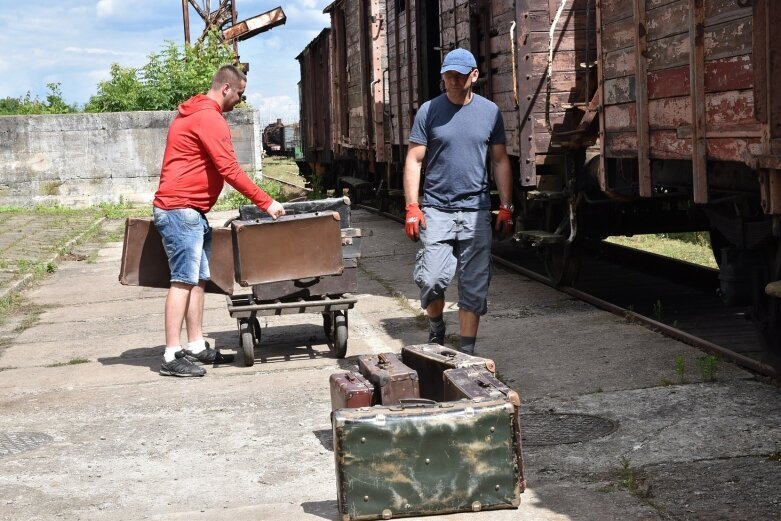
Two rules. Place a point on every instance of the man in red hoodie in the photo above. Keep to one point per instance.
(198, 159)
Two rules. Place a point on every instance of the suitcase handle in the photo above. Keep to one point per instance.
(305, 283)
(419, 402)
(383, 359)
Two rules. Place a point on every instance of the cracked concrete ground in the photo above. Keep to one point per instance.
(117, 441)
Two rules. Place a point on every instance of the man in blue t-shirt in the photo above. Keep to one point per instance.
(455, 133)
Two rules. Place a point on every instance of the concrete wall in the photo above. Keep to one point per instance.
(84, 159)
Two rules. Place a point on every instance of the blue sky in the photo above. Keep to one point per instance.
(74, 42)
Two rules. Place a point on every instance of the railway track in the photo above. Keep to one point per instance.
(678, 299)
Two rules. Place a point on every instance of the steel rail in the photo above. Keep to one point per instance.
(705, 345)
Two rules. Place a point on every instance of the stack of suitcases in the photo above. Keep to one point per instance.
(431, 432)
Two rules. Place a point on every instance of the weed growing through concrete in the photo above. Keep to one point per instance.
(72, 361)
(629, 314)
(8, 305)
(657, 311)
(709, 364)
(776, 454)
(33, 316)
(628, 479)
(680, 369)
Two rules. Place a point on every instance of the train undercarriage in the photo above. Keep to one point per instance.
(745, 241)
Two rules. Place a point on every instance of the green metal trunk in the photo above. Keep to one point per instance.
(438, 458)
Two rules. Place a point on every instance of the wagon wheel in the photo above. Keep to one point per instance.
(340, 334)
(562, 260)
(256, 331)
(247, 342)
(328, 323)
(767, 308)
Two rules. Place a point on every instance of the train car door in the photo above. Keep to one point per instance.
(429, 51)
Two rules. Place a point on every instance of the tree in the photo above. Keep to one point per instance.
(169, 77)
(54, 104)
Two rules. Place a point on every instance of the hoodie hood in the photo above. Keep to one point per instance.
(197, 103)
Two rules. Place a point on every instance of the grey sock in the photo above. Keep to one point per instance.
(436, 324)
(467, 345)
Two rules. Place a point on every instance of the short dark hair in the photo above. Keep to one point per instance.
(230, 75)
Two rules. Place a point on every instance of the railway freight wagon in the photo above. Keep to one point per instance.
(358, 95)
(623, 117)
(314, 92)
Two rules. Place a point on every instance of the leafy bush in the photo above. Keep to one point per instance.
(233, 199)
(169, 77)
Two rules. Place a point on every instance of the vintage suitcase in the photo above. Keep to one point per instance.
(251, 212)
(144, 262)
(350, 390)
(413, 460)
(479, 384)
(326, 285)
(392, 379)
(431, 361)
(476, 382)
(288, 248)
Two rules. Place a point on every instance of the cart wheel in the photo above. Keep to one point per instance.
(247, 343)
(328, 323)
(340, 334)
(256, 329)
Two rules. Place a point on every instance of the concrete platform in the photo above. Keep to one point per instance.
(110, 439)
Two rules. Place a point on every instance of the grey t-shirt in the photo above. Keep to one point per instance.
(457, 138)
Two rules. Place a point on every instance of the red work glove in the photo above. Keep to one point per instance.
(504, 222)
(414, 221)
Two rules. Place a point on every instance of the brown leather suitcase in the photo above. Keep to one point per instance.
(326, 285)
(145, 263)
(288, 248)
(431, 361)
(350, 390)
(476, 382)
(393, 381)
(479, 384)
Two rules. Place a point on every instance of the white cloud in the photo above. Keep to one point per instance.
(94, 50)
(105, 8)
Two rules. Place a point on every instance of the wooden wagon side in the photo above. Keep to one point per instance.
(686, 80)
(315, 99)
(359, 53)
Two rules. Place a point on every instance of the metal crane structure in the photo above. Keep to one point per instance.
(224, 19)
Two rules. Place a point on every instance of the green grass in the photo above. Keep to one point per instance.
(282, 168)
(691, 247)
(72, 361)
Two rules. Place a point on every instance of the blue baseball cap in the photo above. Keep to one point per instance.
(459, 60)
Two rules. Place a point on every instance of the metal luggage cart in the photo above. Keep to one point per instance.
(331, 296)
(246, 309)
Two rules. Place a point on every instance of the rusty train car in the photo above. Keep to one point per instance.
(623, 117)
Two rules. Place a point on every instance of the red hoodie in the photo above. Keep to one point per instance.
(199, 158)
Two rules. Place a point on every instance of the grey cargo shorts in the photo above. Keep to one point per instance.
(455, 240)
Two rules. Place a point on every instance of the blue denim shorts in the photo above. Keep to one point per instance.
(455, 242)
(187, 239)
